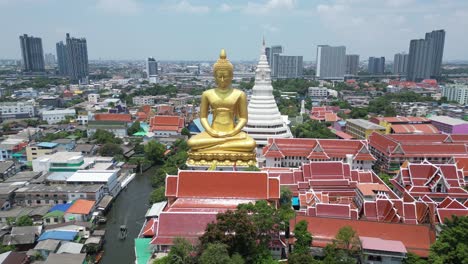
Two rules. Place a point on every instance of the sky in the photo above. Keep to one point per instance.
(198, 29)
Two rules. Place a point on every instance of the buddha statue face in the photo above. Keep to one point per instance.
(223, 71)
(223, 78)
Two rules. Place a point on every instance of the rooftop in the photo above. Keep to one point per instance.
(378, 244)
(92, 176)
(113, 117)
(365, 124)
(448, 120)
(81, 206)
(65, 258)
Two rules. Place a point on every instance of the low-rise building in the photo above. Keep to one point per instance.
(7, 169)
(166, 126)
(10, 147)
(61, 161)
(392, 150)
(405, 125)
(362, 129)
(34, 151)
(21, 109)
(58, 115)
(118, 128)
(148, 100)
(456, 92)
(41, 194)
(292, 152)
(93, 98)
(318, 93)
(450, 125)
(108, 178)
(80, 210)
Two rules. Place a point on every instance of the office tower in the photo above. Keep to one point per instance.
(400, 63)
(352, 64)
(331, 62)
(425, 56)
(32, 53)
(77, 55)
(376, 65)
(151, 67)
(50, 59)
(62, 58)
(270, 53)
(287, 66)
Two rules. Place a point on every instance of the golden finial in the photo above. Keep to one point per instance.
(223, 63)
(223, 54)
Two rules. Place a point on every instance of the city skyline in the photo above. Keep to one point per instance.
(185, 30)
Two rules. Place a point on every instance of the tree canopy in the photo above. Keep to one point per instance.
(452, 244)
(312, 129)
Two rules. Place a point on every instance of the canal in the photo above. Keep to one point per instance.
(128, 209)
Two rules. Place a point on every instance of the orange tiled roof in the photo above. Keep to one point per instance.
(81, 206)
(167, 123)
(415, 128)
(113, 117)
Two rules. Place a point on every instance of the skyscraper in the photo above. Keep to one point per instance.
(352, 64)
(49, 59)
(62, 58)
(77, 56)
(32, 53)
(376, 65)
(287, 66)
(425, 56)
(151, 67)
(331, 62)
(400, 63)
(270, 54)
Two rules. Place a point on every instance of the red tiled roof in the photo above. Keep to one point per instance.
(150, 228)
(414, 128)
(81, 206)
(223, 184)
(404, 119)
(167, 123)
(416, 238)
(189, 225)
(113, 117)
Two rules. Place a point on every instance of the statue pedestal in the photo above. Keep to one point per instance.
(224, 160)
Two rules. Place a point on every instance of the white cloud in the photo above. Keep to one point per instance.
(226, 8)
(119, 7)
(187, 7)
(270, 28)
(269, 6)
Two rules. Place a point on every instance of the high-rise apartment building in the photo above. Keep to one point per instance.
(425, 56)
(376, 65)
(331, 62)
(49, 59)
(77, 56)
(151, 67)
(32, 53)
(287, 66)
(269, 51)
(400, 63)
(352, 64)
(62, 58)
(456, 92)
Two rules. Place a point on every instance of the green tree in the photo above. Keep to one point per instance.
(412, 258)
(296, 258)
(180, 252)
(234, 229)
(6, 127)
(154, 151)
(452, 244)
(158, 195)
(216, 253)
(110, 150)
(24, 221)
(104, 136)
(286, 196)
(385, 178)
(134, 128)
(347, 239)
(303, 238)
(185, 132)
(252, 168)
(312, 129)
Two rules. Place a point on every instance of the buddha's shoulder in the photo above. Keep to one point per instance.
(208, 92)
(238, 92)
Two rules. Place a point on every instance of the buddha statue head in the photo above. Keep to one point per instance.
(223, 71)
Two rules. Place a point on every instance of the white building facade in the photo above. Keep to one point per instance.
(265, 120)
(456, 92)
(56, 116)
(331, 62)
(18, 109)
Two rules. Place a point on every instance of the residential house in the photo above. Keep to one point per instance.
(7, 169)
(58, 115)
(80, 210)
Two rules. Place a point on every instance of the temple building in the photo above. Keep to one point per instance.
(265, 120)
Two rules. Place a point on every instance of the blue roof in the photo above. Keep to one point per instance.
(199, 125)
(58, 235)
(60, 207)
(47, 145)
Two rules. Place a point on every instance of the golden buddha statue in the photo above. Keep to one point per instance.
(223, 142)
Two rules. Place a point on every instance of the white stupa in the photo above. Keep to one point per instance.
(265, 120)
